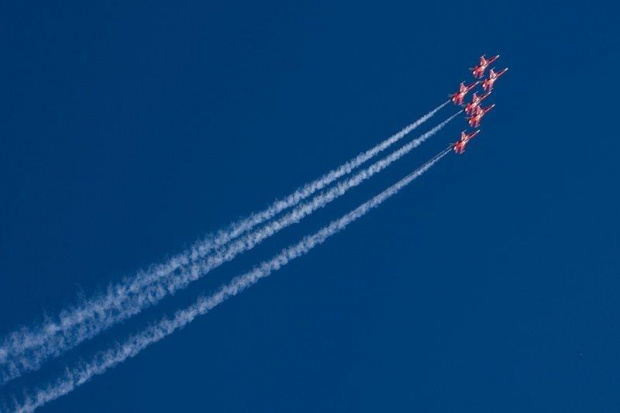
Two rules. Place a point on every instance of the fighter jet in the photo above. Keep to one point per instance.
(487, 85)
(458, 97)
(470, 109)
(478, 71)
(474, 120)
(459, 147)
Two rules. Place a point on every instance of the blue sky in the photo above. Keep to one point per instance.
(491, 284)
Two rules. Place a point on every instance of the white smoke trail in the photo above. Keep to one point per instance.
(154, 293)
(32, 337)
(156, 332)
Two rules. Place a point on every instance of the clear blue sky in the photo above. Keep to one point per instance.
(130, 129)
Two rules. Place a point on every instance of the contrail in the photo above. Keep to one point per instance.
(28, 338)
(152, 294)
(156, 332)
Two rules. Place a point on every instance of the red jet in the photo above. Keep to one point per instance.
(458, 97)
(478, 71)
(474, 120)
(459, 147)
(487, 85)
(471, 107)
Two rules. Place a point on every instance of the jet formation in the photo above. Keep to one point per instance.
(473, 108)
